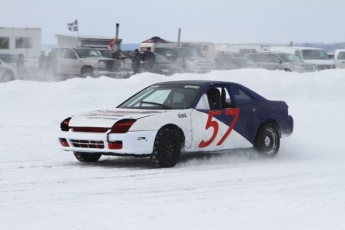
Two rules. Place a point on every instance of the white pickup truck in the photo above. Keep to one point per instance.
(87, 62)
(339, 58)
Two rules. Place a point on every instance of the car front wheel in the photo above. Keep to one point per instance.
(267, 140)
(87, 157)
(166, 149)
(87, 72)
(7, 77)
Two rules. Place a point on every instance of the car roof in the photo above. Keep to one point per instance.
(194, 82)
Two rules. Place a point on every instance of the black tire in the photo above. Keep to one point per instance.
(267, 141)
(6, 77)
(287, 70)
(86, 72)
(87, 157)
(166, 149)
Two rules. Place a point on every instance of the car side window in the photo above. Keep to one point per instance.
(298, 54)
(341, 56)
(69, 54)
(273, 58)
(240, 96)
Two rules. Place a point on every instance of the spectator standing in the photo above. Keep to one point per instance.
(117, 55)
(149, 60)
(42, 60)
(20, 64)
(136, 61)
(118, 58)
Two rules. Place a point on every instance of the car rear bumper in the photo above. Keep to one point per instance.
(130, 143)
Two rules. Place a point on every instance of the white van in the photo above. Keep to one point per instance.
(339, 58)
(311, 55)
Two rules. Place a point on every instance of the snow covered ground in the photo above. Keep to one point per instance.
(302, 188)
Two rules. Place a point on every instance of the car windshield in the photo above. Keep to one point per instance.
(106, 53)
(289, 58)
(163, 97)
(85, 53)
(161, 60)
(314, 55)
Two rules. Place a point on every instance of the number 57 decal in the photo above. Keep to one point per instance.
(214, 124)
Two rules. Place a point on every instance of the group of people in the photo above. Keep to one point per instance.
(44, 62)
(147, 58)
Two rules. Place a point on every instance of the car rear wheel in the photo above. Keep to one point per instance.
(267, 140)
(87, 157)
(166, 149)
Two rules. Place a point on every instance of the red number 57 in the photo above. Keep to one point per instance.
(210, 123)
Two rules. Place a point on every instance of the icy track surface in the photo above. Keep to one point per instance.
(303, 188)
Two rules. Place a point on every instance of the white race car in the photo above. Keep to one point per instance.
(169, 118)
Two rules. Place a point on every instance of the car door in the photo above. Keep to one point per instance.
(248, 106)
(2, 69)
(263, 61)
(68, 62)
(214, 121)
(340, 60)
(273, 62)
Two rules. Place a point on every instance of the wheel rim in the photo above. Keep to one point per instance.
(169, 150)
(270, 139)
(87, 74)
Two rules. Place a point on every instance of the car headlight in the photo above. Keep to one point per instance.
(298, 67)
(101, 64)
(190, 64)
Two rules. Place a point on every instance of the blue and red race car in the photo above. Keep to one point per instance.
(169, 118)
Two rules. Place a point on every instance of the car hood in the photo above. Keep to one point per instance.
(301, 63)
(320, 62)
(107, 118)
(98, 58)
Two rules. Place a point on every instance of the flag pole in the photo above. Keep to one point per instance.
(78, 33)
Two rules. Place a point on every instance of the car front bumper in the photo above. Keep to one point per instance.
(130, 143)
(115, 74)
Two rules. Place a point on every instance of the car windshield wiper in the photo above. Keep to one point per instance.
(155, 103)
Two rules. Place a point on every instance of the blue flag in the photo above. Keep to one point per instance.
(73, 26)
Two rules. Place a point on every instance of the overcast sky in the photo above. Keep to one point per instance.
(241, 21)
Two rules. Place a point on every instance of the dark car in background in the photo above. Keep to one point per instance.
(124, 63)
(162, 65)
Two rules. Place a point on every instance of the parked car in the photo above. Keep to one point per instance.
(162, 65)
(186, 58)
(10, 59)
(244, 63)
(280, 61)
(7, 72)
(168, 118)
(85, 62)
(339, 58)
(311, 55)
(125, 62)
